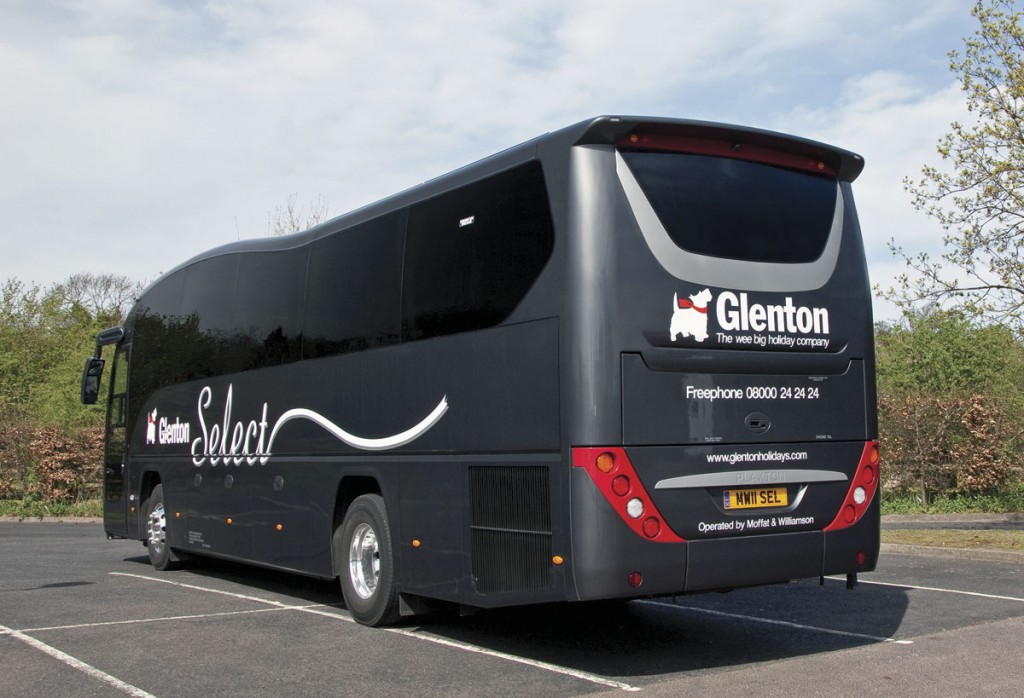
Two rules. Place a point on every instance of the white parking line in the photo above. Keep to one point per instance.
(939, 589)
(161, 619)
(772, 621)
(417, 635)
(74, 663)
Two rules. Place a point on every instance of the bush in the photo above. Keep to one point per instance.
(67, 466)
(15, 460)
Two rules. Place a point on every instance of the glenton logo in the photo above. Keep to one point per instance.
(738, 313)
(734, 312)
(690, 316)
(151, 427)
(163, 431)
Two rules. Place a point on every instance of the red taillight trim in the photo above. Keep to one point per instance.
(586, 458)
(725, 149)
(867, 476)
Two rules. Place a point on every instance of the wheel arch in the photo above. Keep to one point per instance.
(349, 488)
(150, 479)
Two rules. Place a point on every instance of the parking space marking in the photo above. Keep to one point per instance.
(785, 623)
(161, 619)
(555, 668)
(945, 591)
(435, 639)
(74, 663)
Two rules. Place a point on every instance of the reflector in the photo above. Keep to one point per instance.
(620, 485)
(652, 527)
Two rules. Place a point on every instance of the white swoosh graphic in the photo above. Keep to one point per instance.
(381, 444)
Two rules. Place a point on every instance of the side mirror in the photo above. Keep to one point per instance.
(91, 380)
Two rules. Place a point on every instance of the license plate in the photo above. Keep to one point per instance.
(757, 498)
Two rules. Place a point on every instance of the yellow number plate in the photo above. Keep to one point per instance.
(759, 498)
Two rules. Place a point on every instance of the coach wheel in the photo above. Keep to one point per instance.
(160, 553)
(367, 568)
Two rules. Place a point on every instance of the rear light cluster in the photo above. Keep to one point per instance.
(862, 489)
(614, 475)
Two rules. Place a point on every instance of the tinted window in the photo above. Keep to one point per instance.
(472, 254)
(156, 326)
(352, 297)
(267, 321)
(207, 304)
(722, 207)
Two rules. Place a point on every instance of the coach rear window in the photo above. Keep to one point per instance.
(734, 209)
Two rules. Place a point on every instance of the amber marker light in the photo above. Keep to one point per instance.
(279, 527)
(416, 543)
(557, 560)
(177, 514)
(605, 462)
(230, 521)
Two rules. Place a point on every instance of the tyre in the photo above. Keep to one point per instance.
(161, 555)
(366, 564)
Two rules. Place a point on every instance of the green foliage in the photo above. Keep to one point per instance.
(945, 352)
(34, 508)
(48, 439)
(977, 195)
(951, 413)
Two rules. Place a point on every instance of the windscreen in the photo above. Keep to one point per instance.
(736, 209)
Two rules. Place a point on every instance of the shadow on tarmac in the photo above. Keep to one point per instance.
(645, 638)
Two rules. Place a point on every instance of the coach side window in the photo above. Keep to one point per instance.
(473, 253)
(207, 300)
(353, 287)
(268, 309)
(160, 351)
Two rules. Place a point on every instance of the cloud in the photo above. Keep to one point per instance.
(895, 124)
(140, 132)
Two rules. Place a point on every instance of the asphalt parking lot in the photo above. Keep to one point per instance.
(83, 616)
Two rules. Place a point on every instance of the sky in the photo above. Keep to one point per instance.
(135, 134)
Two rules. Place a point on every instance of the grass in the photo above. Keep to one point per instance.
(1007, 501)
(34, 509)
(956, 538)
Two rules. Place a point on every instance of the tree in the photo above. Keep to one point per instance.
(107, 297)
(950, 411)
(49, 442)
(978, 195)
(288, 219)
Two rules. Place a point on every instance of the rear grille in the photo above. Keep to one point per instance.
(510, 528)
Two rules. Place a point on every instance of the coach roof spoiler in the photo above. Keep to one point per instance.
(615, 130)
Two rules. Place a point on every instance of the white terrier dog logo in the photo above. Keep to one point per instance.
(690, 317)
(151, 427)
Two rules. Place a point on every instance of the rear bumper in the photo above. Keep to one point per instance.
(607, 552)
